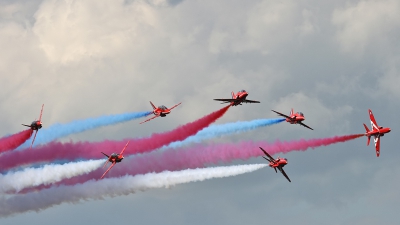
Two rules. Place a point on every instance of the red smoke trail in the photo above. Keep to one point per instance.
(11, 142)
(201, 156)
(86, 150)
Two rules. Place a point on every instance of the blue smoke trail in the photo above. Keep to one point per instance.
(46, 135)
(225, 129)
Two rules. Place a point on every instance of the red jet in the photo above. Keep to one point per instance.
(114, 159)
(237, 99)
(36, 125)
(376, 131)
(294, 118)
(276, 163)
(160, 111)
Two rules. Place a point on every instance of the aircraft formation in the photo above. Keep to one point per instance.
(237, 99)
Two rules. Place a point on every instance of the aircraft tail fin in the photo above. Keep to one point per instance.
(233, 94)
(367, 130)
(291, 112)
(154, 107)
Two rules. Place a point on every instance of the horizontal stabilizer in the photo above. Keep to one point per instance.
(366, 128)
(266, 159)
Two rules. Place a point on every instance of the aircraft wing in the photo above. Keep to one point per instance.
(150, 119)
(225, 100)
(152, 105)
(124, 148)
(106, 162)
(281, 114)
(34, 138)
(41, 112)
(302, 124)
(250, 101)
(266, 153)
(377, 141)
(284, 174)
(175, 106)
(107, 170)
(374, 125)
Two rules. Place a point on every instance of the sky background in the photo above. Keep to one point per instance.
(332, 60)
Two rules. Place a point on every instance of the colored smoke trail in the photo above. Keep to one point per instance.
(201, 156)
(55, 131)
(13, 141)
(48, 174)
(225, 129)
(113, 187)
(86, 150)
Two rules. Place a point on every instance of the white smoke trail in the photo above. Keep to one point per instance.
(114, 187)
(48, 174)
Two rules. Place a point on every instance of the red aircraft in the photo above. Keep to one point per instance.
(375, 131)
(36, 125)
(237, 99)
(160, 111)
(276, 163)
(294, 118)
(114, 159)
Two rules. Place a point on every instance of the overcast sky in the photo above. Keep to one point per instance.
(332, 60)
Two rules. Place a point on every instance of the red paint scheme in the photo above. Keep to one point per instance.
(375, 131)
(277, 164)
(294, 118)
(237, 99)
(114, 159)
(160, 111)
(36, 125)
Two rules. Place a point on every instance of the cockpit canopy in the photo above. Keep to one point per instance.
(114, 155)
(162, 107)
(300, 113)
(242, 91)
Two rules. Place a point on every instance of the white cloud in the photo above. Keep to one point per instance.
(70, 31)
(366, 23)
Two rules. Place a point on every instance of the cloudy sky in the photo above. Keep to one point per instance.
(332, 60)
